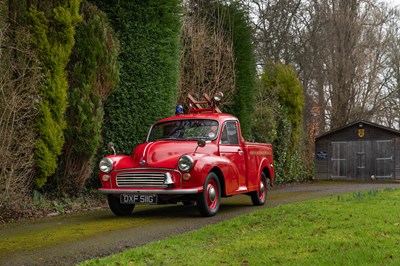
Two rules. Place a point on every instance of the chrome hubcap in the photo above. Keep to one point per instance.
(212, 194)
(262, 188)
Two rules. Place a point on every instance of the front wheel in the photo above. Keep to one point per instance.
(209, 200)
(259, 196)
(117, 207)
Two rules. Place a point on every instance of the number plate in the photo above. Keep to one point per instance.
(138, 199)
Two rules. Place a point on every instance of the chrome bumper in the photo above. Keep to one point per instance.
(151, 191)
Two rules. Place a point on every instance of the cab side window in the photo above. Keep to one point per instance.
(230, 134)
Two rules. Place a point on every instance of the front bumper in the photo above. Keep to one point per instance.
(152, 191)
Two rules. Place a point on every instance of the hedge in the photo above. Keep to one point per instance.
(149, 34)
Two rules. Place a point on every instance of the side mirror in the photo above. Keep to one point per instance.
(200, 143)
(111, 147)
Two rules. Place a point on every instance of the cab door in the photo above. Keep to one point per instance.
(231, 149)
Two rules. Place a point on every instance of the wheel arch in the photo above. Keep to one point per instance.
(268, 172)
(265, 170)
(221, 179)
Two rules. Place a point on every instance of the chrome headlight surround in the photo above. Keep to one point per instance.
(185, 163)
(106, 165)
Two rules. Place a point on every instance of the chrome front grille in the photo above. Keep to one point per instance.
(141, 180)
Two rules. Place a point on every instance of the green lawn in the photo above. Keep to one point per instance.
(361, 228)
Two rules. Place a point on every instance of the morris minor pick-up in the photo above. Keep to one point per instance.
(196, 158)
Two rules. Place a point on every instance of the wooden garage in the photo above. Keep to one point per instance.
(358, 151)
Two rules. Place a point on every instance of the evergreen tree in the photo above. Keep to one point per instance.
(53, 26)
(279, 119)
(281, 84)
(149, 35)
(93, 73)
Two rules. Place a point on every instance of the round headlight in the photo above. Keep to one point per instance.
(185, 163)
(106, 165)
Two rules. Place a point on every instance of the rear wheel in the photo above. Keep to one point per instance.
(118, 208)
(259, 196)
(209, 200)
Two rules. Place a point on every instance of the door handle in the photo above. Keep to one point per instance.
(240, 152)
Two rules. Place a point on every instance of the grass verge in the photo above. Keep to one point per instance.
(361, 228)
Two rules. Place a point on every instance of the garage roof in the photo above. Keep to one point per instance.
(364, 122)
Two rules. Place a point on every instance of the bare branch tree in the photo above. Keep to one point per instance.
(19, 79)
(207, 59)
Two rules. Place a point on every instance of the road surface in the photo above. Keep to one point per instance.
(69, 239)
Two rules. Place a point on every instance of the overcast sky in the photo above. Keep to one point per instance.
(393, 2)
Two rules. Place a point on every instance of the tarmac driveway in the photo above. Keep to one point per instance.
(69, 239)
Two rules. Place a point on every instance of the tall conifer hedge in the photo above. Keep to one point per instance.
(93, 73)
(149, 35)
(245, 66)
(53, 27)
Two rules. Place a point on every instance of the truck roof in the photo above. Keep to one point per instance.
(216, 116)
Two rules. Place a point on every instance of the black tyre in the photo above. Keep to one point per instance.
(117, 208)
(209, 200)
(259, 197)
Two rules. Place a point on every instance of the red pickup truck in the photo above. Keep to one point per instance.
(190, 158)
